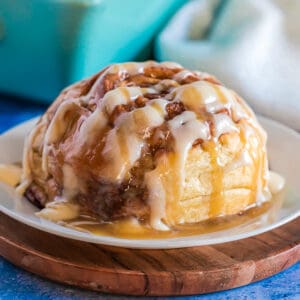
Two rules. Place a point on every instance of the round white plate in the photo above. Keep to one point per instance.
(283, 149)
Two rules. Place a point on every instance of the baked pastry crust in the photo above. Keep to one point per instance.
(148, 140)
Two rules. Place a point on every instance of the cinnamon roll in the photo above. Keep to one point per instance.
(152, 141)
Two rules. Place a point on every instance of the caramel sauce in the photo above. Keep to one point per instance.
(200, 99)
(10, 174)
(132, 229)
(158, 107)
(255, 173)
(257, 161)
(171, 179)
(191, 98)
(221, 96)
(257, 177)
(124, 151)
(216, 179)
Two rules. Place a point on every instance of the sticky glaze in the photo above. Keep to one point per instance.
(210, 112)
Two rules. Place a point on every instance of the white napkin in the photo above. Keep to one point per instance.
(252, 46)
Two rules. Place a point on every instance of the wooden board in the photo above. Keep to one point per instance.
(183, 271)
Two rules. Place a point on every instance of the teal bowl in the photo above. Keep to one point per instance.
(48, 44)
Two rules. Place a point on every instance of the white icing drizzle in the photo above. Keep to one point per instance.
(122, 95)
(182, 75)
(156, 199)
(56, 129)
(133, 68)
(164, 84)
(29, 142)
(124, 142)
(130, 67)
(71, 182)
(243, 159)
(131, 127)
(239, 112)
(276, 182)
(59, 211)
(97, 121)
(62, 208)
(252, 131)
(199, 94)
(170, 65)
(85, 222)
(119, 163)
(185, 128)
(27, 157)
(92, 125)
(196, 95)
(223, 124)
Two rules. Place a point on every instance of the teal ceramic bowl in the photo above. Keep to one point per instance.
(48, 44)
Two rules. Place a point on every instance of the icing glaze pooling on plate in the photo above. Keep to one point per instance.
(10, 174)
(210, 112)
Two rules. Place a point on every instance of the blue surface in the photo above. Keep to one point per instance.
(18, 284)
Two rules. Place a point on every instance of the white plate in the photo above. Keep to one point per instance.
(283, 148)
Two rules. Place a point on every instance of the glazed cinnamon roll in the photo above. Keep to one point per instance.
(152, 141)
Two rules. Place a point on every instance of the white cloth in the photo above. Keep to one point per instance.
(252, 46)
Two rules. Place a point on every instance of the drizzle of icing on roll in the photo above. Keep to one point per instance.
(276, 182)
(243, 159)
(157, 199)
(223, 124)
(59, 211)
(119, 113)
(186, 128)
(183, 74)
(27, 160)
(125, 141)
(122, 95)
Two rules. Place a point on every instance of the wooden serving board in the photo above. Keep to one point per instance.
(183, 271)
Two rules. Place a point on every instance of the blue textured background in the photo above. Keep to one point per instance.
(19, 284)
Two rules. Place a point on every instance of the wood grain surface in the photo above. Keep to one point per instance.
(183, 271)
